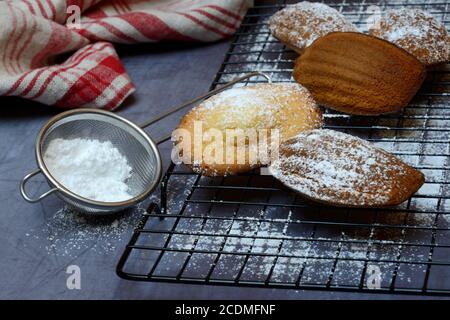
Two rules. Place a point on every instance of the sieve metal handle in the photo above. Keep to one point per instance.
(24, 193)
(200, 98)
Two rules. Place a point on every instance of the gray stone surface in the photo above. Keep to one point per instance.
(37, 243)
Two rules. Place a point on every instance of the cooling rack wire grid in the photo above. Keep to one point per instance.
(250, 231)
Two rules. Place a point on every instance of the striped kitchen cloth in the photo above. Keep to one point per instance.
(36, 35)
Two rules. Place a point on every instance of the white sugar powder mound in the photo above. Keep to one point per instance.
(90, 168)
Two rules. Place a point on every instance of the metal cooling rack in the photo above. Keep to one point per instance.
(250, 231)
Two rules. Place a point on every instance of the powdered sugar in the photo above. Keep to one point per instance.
(241, 105)
(282, 249)
(403, 32)
(263, 103)
(90, 168)
(69, 233)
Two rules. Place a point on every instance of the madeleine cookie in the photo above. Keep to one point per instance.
(338, 169)
(359, 74)
(417, 32)
(299, 25)
(227, 133)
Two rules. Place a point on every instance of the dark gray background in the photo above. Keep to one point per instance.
(165, 75)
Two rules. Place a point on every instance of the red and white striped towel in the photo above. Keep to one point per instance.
(34, 34)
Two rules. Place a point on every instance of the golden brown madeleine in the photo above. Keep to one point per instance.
(287, 107)
(299, 25)
(338, 169)
(359, 74)
(416, 31)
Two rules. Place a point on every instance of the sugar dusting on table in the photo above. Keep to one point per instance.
(68, 233)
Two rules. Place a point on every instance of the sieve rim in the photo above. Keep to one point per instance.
(68, 192)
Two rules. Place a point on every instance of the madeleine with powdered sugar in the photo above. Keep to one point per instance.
(338, 169)
(287, 107)
(299, 25)
(415, 31)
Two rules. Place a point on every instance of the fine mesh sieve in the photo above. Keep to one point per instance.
(139, 149)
